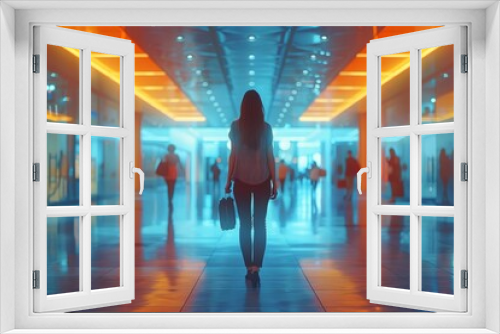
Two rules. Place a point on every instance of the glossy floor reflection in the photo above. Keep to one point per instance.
(315, 259)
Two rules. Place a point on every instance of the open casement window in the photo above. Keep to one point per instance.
(83, 170)
(417, 144)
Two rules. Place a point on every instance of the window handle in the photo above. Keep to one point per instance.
(368, 171)
(133, 170)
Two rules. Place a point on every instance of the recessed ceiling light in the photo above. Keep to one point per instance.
(284, 109)
(251, 57)
(209, 92)
(204, 84)
(198, 72)
(318, 80)
(189, 57)
(287, 104)
(251, 38)
(212, 98)
(313, 57)
(298, 84)
(180, 38)
(305, 72)
(216, 104)
(251, 83)
(291, 98)
(251, 72)
(324, 38)
(294, 92)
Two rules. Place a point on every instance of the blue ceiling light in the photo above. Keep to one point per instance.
(433, 100)
(324, 38)
(291, 98)
(204, 84)
(216, 104)
(251, 57)
(284, 109)
(251, 72)
(287, 104)
(305, 72)
(313, 57)
(251, 83)
(198, 72)
(209, 92)
(180, 38)
(219, 109)
(189, 57)
(328, 54)
(212, 98)
(294, 92)
(251, 38)
(318, 81)
(298, 84)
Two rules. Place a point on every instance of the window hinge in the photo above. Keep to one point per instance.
(465, 279)
(464, 171)
(36, 172)
(465, 64)
(36, 279)
(36, 63)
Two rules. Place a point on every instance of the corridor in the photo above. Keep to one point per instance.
(313, 263)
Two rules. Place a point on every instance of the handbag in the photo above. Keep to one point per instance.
(227, 215)
(161, 170)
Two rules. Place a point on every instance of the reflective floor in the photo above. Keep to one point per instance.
(315, 259)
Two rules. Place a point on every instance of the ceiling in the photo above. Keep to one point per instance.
(196, 76)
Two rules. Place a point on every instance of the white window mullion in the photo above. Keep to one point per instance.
(414, 169)
(86, 177)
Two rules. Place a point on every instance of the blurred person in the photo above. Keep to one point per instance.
(314, 175)
(172, 166)
(252, 169)
(445, 171)
(394, 176)
(282, 173)
(216, 172)
(351, 171)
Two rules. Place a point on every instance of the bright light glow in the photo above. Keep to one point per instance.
(251, 72)
(251, 38)
(180, 38)
(251, 83)
(313, 57)
(324, 38)
(305, 72)
(285, 145)
(228, 145)
(149, 73)
(189, 57)
(251, 57)
(353, 73)
(433, 100)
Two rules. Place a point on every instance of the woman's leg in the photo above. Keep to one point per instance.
(242, 195)
(261, 200)
(171, 187)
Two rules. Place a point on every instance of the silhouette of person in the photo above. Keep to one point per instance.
(394, 176)
(173, 163)
(216, 172)
(351, 171)
(252, 170)
(282, 173)
(314, 175)
(445, 171)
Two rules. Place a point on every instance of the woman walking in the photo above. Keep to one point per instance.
(252, 169)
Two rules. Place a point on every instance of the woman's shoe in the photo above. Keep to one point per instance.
(255, 279)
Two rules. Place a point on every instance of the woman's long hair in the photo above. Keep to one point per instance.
(251, 122)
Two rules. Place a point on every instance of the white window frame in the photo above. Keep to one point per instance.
(484, 235)
(414, 43)
(86, 43)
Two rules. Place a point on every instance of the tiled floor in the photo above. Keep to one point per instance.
(315, 262)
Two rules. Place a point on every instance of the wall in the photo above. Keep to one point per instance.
(7, 218)
(492, 155)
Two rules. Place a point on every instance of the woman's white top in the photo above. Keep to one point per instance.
(251, 165)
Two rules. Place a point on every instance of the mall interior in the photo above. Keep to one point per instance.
(189, 82)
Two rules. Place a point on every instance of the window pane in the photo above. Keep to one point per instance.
(437, 84)
(105, 252)
(105, 89)
(437, 169)
(395, 91)
(63, 164)
(395, 242)
(63, 255)
(105, 171)
(63, 84)
(395, 170)
(437, 254)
